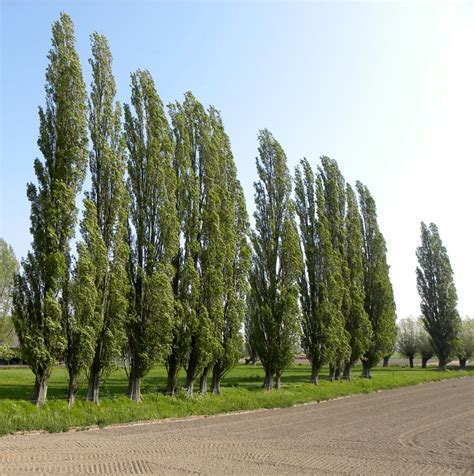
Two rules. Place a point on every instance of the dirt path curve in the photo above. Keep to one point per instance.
(426, 429)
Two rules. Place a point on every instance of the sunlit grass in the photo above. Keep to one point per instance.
(241, 390)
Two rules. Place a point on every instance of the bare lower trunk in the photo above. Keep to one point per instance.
(216, 379)
(172, 381)
(94, 379)
(72, 390)
(94, 384)
(189, 384)
(332, 372)
(191, 370)
(134, 386)
(462, 363)
(338, 373)
(216, 384)
(410, 360)
(385, 361)
(366, 369)
(40, 390)
(314, 374)
(442, 364)
(203, 383)
(277, 381)
(424, 362)
(347, 372)
(268, 382)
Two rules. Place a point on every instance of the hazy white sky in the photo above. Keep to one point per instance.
(386, 89)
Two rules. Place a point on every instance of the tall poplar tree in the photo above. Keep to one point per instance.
(235, 260)
(152, 233)
(435, 283)
(356, 319)
(101, 286)
(379, 303)
(335, 202)
(321, 280)
(193, 338)
(42, 301)
(276, 263)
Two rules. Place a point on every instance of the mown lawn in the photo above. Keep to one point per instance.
(241, 390)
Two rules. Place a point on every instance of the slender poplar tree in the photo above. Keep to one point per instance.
(152, 235)
(42, 301)
(320, 281)
(435, 283)
(356, 319)
(335, 202)
(101, 287)
(276, 263)
(235, 260)
(193, 339)
(379, 303)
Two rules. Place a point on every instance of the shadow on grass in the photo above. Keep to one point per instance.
(17, 383)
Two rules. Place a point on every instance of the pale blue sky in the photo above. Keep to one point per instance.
(386, 89)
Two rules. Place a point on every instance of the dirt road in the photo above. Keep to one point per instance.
(426, 429)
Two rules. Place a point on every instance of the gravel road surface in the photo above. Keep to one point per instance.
(425, 429)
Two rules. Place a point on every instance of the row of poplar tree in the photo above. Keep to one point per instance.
(167, 268)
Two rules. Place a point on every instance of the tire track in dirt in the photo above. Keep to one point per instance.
(425, 429)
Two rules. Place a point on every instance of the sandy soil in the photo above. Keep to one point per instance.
(426, 429)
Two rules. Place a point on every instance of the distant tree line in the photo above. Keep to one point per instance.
(167, 268)
(413, 340)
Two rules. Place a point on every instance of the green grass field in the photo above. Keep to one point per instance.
(241, 390)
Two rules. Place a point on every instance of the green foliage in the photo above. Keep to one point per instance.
(379, 303)
(465, 348)
(42, 304)
(8, 268)
(324, 339)
(407, 337)
(424, 342)
(152, 229)
(356, 319)
(232, 257)
(434, 277)
(276, 263)
(101, 285)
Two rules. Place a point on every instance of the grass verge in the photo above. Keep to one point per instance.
(241, 390)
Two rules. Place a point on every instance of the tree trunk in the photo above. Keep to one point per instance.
(347, 372)
(442, 364)
(172, 381)
(314, 374)
(134, 386)
(385, 361)
(216, 382)
(338, 373)
(366, 369)
(424, 362)
(268, 382)
(94, 384)
(332, 372)
(72, 390)
(216, 379)
(462, 363)
(278, 381)
(40, 390)
(203, 383)
(189, 384)
(410, 359)
(191, 369)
